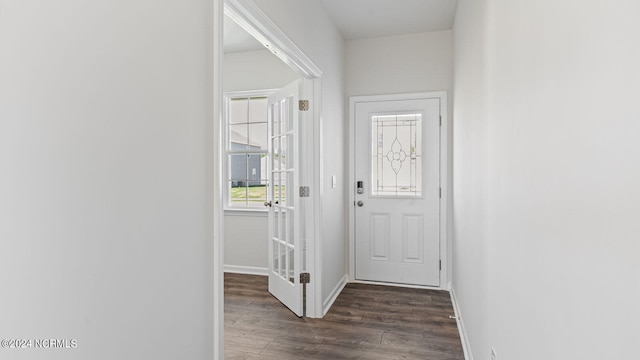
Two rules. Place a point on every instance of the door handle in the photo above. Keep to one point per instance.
(360, 203)
(267, 203)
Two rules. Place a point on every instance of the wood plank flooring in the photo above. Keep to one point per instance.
(365, 322)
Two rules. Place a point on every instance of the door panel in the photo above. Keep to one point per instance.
(412, 238)
(397, 164)
(380, 236)
(284, 220)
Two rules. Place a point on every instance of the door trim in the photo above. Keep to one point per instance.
(255, 22)
(444, 179)
(216, 250)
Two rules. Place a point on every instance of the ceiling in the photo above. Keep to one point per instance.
(361, 19)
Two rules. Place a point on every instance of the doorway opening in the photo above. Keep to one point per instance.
(275, 216)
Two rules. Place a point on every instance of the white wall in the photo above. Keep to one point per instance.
(255, 70)
(315, 34)
(402, 64)
(399, 64)
(245, 235)
(245, 242)
(105, 192)
(470, 147)
(557, 234)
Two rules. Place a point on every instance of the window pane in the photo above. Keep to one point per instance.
(276, 226)
(284, 235)
(258, 110)
(238, 195)
(257, 194)
(284, 116)
(264, 166)
(276, 257)
(258, 136)
(276, 188)
(254, 170)
(238, 137)
(238, 167)
(290, 229)
(287, 191)
(275, 120)
(288, 156)
(292, 265)
(396, 163)
(276, 153)
(238, 111)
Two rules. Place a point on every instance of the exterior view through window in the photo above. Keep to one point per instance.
(247, 149)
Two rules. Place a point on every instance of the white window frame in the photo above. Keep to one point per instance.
(228, 97)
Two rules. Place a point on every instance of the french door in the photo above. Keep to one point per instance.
(285, 254)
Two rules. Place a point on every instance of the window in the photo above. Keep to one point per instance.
(247, 150)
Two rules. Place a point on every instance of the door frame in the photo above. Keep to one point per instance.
(444, 181)
(253, 20)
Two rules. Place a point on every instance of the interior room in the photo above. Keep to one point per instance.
(283, 179)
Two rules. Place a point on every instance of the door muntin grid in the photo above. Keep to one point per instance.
(396, 155)
(282, 173)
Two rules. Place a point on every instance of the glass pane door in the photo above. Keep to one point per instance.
(284, 250)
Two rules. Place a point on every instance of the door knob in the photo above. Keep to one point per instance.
(360, 203)
(267, 203)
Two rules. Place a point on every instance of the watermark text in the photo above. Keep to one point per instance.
(39, 343)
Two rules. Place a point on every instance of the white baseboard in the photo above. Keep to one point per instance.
(326, 305)
(248, 270)
(466, 347)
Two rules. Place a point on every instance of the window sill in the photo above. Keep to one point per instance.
(245, 212)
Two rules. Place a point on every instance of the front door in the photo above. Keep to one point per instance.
(397, 199)
(285, 254)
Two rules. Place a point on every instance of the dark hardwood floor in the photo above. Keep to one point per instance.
(365, 322)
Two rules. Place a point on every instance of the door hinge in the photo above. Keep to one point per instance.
(440, 264)
(304, 191)
(440, 120)
(303, 105)
(305, 278)
(440, 193)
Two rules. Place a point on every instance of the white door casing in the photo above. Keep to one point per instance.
(285, 251)
(396, 189)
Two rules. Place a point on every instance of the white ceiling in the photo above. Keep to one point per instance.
(360, 19)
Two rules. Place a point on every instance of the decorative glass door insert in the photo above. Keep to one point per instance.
(396, 161)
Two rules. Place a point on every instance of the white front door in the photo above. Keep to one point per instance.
(397, 198)
(285, 253)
